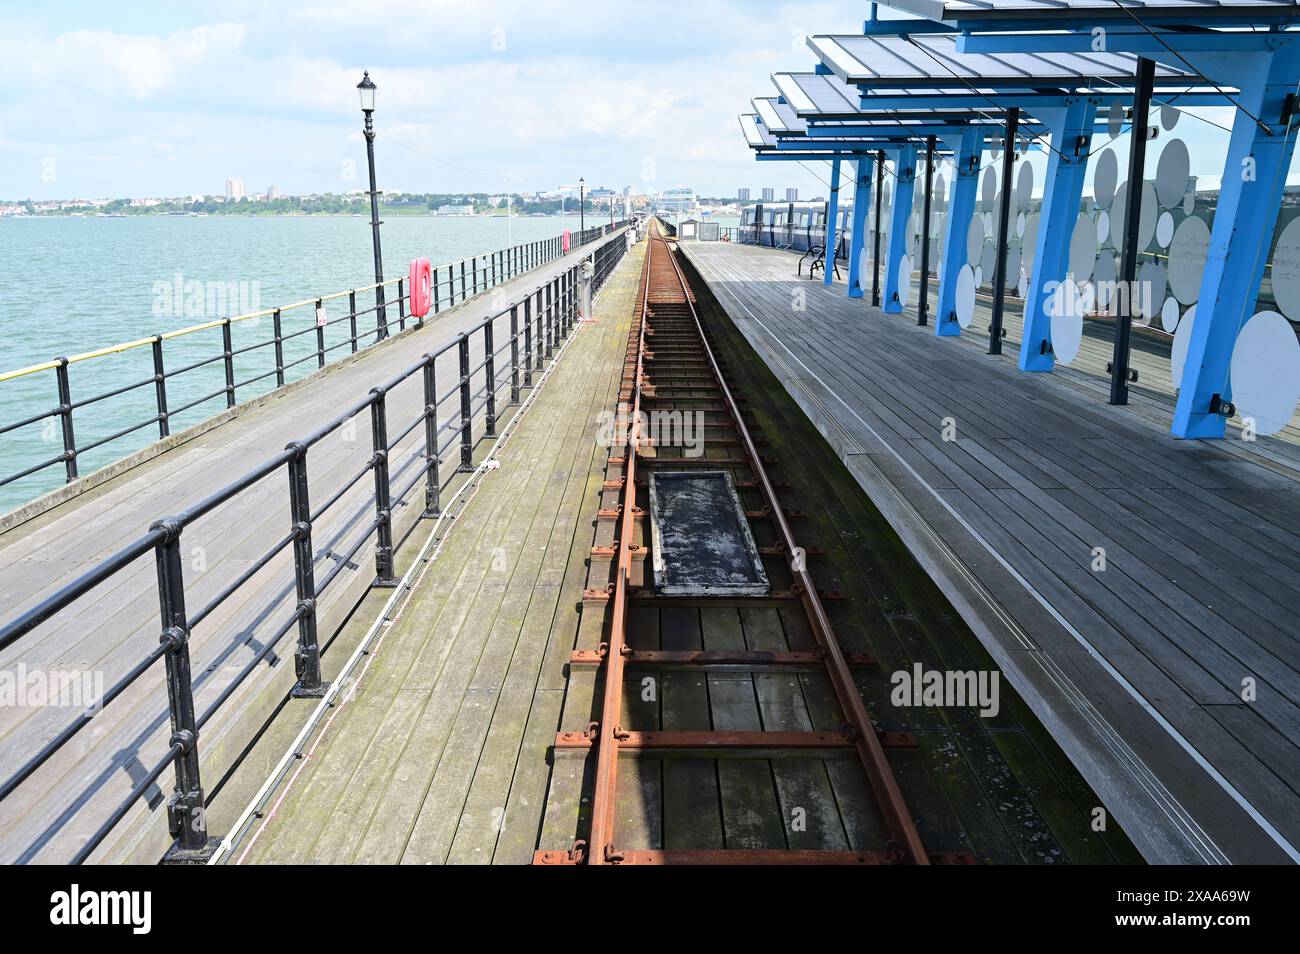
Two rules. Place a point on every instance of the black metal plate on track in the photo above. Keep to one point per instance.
(702, 542)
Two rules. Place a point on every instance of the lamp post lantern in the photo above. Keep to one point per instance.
(367, 88)
(582, 204)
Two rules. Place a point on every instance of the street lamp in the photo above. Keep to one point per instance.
(582, 204)
(367, 88)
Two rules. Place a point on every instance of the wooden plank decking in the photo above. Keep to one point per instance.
(1139, 669)
(440, 754)
(55, 810)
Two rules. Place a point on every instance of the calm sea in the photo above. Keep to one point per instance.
(71, 285)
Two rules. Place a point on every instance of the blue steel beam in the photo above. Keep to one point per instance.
(904, 184)
(861, 199)
(832, 215)
(961, 208)
(1071, 128)
(1250, 196)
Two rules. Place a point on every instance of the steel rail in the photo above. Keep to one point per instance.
(607, 739)
(603, 800)
(881, 777)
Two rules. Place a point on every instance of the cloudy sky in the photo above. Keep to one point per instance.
(155, 98)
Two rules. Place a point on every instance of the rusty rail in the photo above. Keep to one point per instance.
(604, 739)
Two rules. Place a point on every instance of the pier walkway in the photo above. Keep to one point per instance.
(1170, 676)
(109, 631)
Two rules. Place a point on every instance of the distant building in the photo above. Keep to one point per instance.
(742, 195)
(235, 189)
(455, 210)
(272, 193)
(600, 194)
(681, 199)
(792, 195)
(627, 191)
(768, 194)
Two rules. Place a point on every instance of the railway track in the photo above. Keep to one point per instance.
(671, 370)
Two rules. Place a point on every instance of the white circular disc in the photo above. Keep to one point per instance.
(1024, 185)
(1146, 220)
(1169, 314)
(1105, 178)
(904, 277)
(1013, 266)
(974, 240)
(988, 262)
(1265, 374)
(1022, 286)
(1083, 249)
(979, 276)
(1168, 117)
(1115, 119)
(1030, 242)
(940, 192)
(1151, 289)
(909, 234)
(1164, 229)
(1065, 307)
(1020, 225)
(1189, 202)
(1178, 352)
(988, 189)
(1103, 227)
(864, 263)
(1172, 172)
(1285, 272)
(1188, 250)
(1104, 273)
(965, 303)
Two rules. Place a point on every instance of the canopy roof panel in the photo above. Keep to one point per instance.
(933, 59)
(1053, 12)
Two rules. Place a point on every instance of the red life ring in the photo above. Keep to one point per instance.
(420, 280)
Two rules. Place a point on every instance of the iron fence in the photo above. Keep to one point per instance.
(452, 284)
(494, 361)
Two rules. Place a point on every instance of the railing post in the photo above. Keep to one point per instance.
(320, 336)
(229, 347)
(186, 817)
(434, 282)
(451, 286)
(514, 354)
(160, 385)
(490, 370)
(462, 280)
(65, 414)
(401, 306)
(473, 267)
(352, 323)
(528, 342)
(494, 256)
(433, 483)
(277, 336)
(542, 351)
(550, 322)
(466, 406)
(306, 658)
(383, 513)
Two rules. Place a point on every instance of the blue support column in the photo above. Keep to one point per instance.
(861, 199)
(1071, 128)
(1249, 197)
(904, 182)
(832, 215)
(961, 208)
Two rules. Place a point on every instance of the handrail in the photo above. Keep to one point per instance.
(475, 274)
(548, 312)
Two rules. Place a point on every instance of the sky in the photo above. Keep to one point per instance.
(151, 98)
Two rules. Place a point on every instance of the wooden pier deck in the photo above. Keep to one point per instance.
(1171, 676)
(444, 750)
(55, 811)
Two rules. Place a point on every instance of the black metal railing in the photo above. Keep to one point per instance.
(452, 284)
(494, 361)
